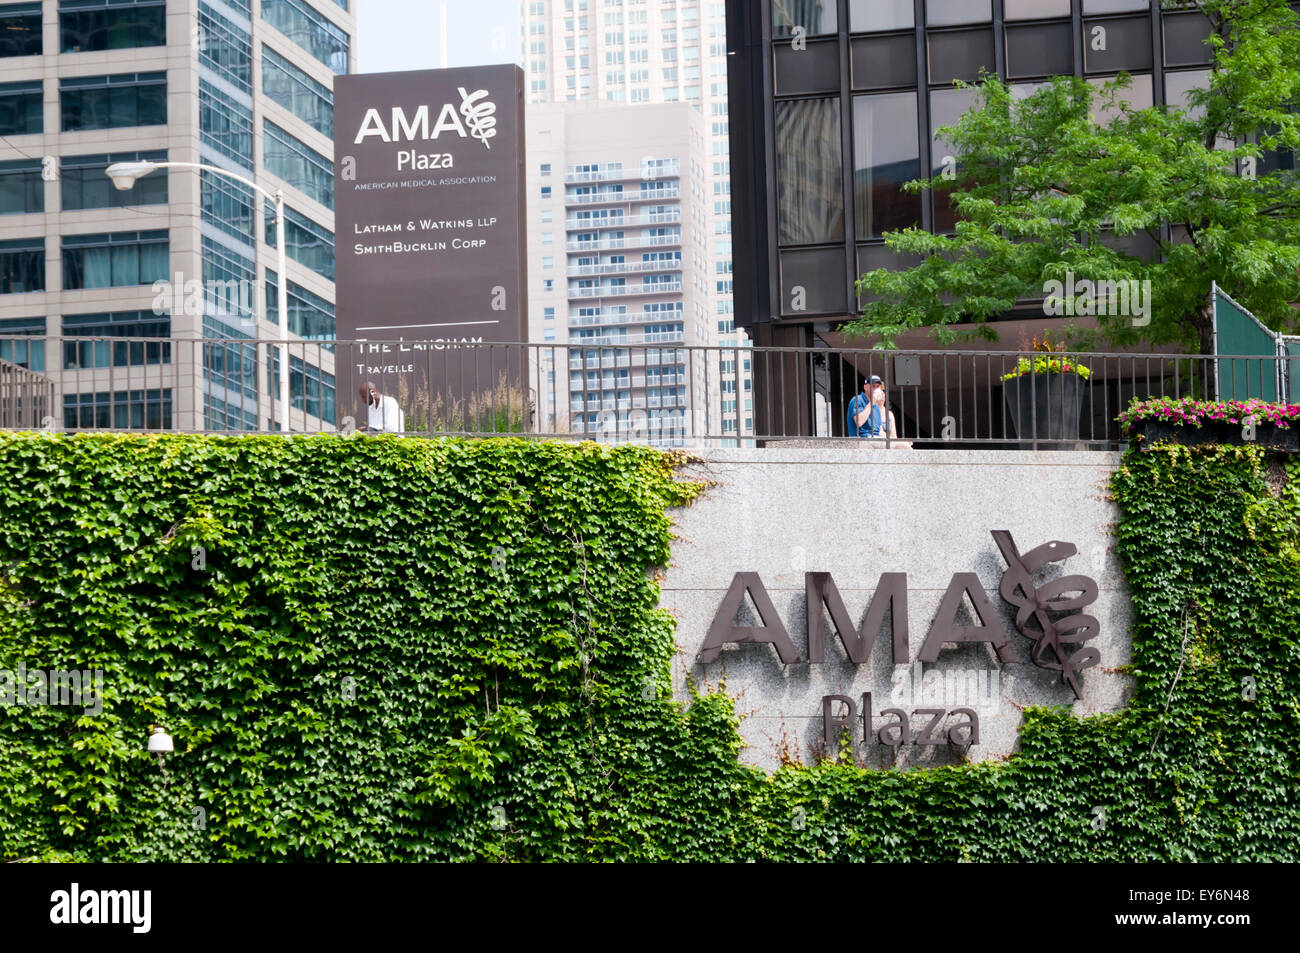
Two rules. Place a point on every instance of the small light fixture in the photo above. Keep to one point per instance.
(125, 174)
(160, 743)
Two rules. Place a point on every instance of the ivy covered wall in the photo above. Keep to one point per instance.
(375, 648)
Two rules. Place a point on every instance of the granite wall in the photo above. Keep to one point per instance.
(857, 513)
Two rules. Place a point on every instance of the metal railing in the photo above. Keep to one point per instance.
(617, 291)
(26, 398)
(649, 388)
(619, 221)
(624, 267)
(631, 241)
(615, 198)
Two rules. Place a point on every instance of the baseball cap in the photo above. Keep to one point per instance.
(875, 379)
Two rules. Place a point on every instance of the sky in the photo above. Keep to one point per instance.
(406, 34)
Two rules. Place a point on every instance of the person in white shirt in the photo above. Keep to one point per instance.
(383, 414)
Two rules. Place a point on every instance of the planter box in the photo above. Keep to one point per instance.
(1148, 433)
(1045, 406)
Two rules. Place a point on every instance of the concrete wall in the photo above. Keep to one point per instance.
(859, 512)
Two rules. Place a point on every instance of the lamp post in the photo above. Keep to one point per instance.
(126, 174)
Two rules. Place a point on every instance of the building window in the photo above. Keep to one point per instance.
(1117, 44)
(310, 315)
(297, 164)
(817, 17)
(311, 389)
(22, 190)
(1114, 6)
(119, 410)
(116, 260)
(22, 266)
(959, 54)
(946, 108)
(20, 29)
(86, 25)
(225, 124)
(810, 190)
(226, 48)
(1039, 49)
(227, 205)
(1036, 9)
(113, 102)
(297, 20)
(81, 355)
(21, 110)
(1187, 40)
(287, 85)
(228, 367)
(305, 241)
(83, 183)
(880, 15)
(952, 12)
(229, 282)
(28, 354)
(218, 415)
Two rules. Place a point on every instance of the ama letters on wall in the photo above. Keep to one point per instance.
(1049, 615)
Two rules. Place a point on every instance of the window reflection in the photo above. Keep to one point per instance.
(1036, 9)
(951, 12)
(1114, 6)
(1177, 86)
(815, 16)
(810, 188)
(1138, 95)
(886, 155)
(946, 107)
(878, 15)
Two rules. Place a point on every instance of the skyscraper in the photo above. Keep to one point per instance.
(625, 282)
(642, 52)
(241, 85)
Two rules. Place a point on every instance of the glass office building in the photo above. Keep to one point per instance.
(242, 85)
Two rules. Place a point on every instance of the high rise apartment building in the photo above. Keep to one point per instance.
(617, 218)
(242, 85)
(638, 52)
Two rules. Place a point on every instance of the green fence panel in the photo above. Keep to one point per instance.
(1292, 369)
(1251, 370)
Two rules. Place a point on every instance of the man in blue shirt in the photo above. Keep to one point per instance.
(865, 417)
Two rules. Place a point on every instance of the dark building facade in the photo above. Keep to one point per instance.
(833, 107)
(834, 104)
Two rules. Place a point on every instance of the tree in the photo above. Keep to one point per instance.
(1046, 190)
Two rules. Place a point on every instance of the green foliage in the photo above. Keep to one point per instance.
(409, 649)
(1073, 180)
(1048, 365)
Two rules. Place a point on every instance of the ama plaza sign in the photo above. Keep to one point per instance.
(1047, 615)
(430, 221)
(916, 631)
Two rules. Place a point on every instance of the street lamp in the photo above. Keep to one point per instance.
(126, 174)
